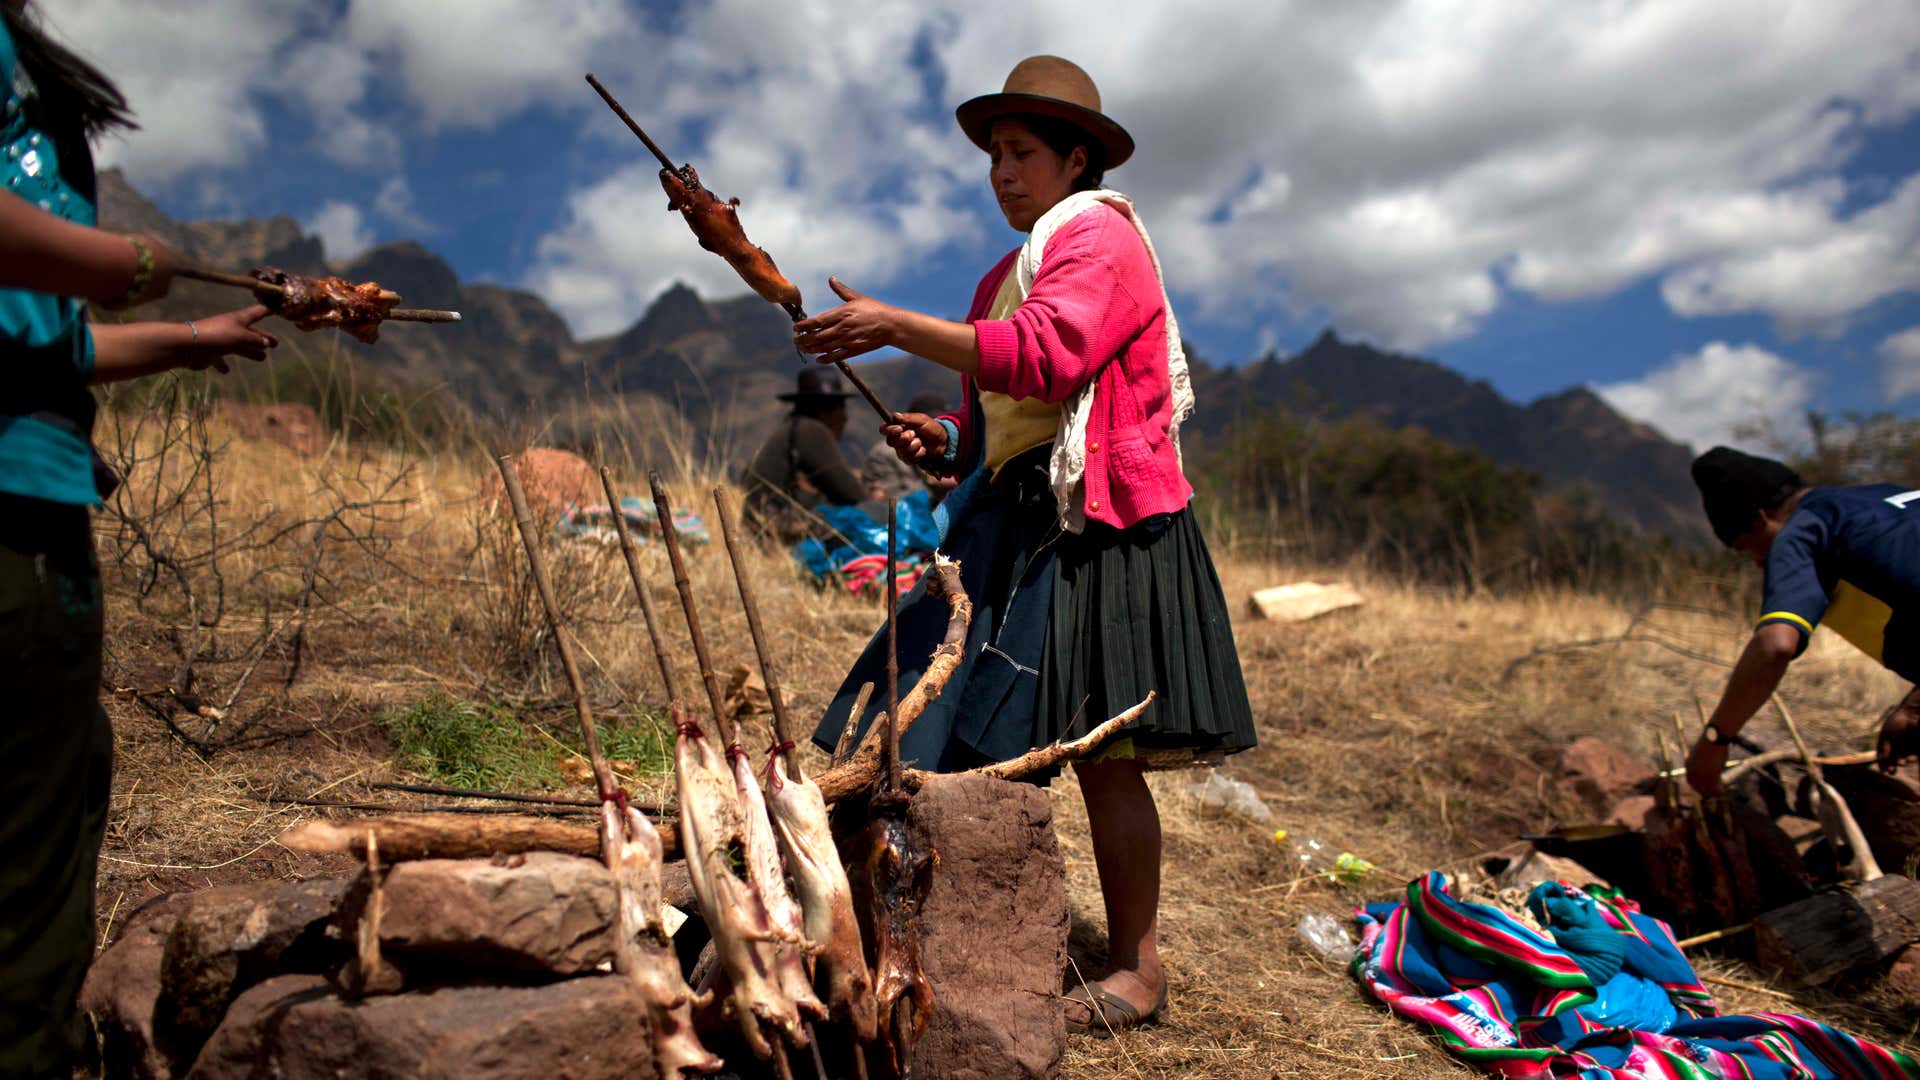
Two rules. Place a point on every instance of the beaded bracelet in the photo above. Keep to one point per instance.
(142, 274)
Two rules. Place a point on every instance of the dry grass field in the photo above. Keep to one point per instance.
(333, 594)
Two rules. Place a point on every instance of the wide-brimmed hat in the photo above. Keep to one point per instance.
(815, 384)
(1048, 86)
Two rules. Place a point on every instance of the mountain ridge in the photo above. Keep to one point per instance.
(721, 362)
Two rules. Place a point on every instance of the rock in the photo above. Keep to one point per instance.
(1903, 981)
(1887, 809)
(1631, 811)
(591, 1028)
(1302, 600)
(123, 987)
(292, 425)
(553, 479)
(538, 912)
(234, 1046)
(232, 937)
(994, 926)
(1531, 867)
(1598, 774)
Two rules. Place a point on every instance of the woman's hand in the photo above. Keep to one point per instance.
(915, 437)
(1704, 767)
(226, 335)
(855, 328)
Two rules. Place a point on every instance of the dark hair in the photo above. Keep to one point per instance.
(74, 95)
(1736, 487)
(1061, 136)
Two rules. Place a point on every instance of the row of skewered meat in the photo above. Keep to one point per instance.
(769, 879)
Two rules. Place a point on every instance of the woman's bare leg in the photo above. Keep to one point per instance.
(1126, 850)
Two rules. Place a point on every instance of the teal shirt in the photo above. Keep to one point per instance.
(44, 341)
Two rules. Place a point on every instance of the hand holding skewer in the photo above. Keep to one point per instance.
(274, 293)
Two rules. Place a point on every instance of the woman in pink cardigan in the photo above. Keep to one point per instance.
(1090, 581)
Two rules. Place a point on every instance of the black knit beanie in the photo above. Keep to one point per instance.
(1734, 487)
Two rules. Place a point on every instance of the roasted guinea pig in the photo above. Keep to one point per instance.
(315, 303)
(826, 897)
(635, 858)
(767, 878)
(901, 877)
(713, 835)
(716, 223)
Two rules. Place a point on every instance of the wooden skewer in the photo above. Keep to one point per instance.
(1716, 935)
(602, 774)
(782, 733)
(723, 723)
(640, 585)
(890, 748)
(432, 315)
(794, 311)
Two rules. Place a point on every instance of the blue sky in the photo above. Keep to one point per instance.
(1710, 210)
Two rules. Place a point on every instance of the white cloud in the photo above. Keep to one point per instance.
(1398, 167)
(1900, 364)
(1721, 395)
(1816, 283)
(469, 63)
(188, 69)
(394, 201)
(342, 229)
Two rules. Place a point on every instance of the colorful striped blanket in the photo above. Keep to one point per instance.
(1608, 995)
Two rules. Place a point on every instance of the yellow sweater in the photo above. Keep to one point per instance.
(1013, 426)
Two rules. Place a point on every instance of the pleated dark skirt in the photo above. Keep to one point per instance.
(1068, 630)
(1137, 610)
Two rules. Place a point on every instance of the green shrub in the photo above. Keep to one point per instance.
(488, 746)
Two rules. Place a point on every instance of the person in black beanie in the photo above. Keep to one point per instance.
(1845, 557)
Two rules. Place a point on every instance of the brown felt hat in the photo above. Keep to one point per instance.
(1048, 86)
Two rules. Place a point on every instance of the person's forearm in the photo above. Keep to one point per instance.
(133, 350)
(45, 253)
(950, 344)
(1755, 677)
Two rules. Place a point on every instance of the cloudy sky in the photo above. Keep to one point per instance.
(1709, 209)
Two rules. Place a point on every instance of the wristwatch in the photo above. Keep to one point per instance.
(1713, 735)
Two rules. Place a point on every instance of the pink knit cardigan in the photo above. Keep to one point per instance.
(1095, 312)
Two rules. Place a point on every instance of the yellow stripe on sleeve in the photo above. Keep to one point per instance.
(1787, 616)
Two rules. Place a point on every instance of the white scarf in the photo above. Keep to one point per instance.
(1069, 466)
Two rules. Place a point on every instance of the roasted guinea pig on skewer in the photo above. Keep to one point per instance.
(315, 303)
(840, 972)
(713, 833)
(769, 880)
(716, 224)
(900, 878)
(635, 860)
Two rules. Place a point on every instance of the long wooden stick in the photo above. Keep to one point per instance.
(663, 506)
(405, 837)
(890, 756)
(476, 793)
(510, 477)
(1835, 815)
(640, 584)
(782, 733)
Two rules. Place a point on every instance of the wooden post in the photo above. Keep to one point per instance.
(782, 734)
(640, 584)
(662, 506)
(510, 476)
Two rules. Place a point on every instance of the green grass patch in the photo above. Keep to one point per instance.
(488, 745)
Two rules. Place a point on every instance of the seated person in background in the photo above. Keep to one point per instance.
(799, 466)
(1848, 556)
(886, 475)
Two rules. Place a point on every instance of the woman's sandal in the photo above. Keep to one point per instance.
(1111, 1013)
